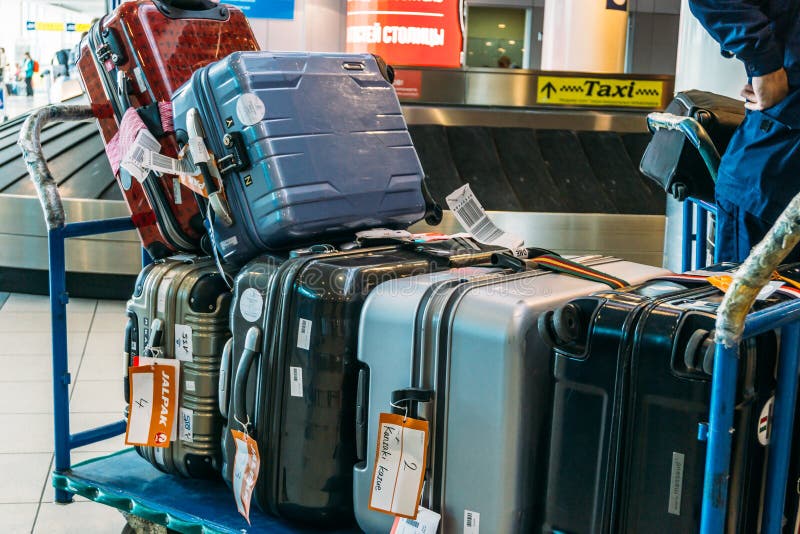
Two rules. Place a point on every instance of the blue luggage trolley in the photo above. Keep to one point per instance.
(127, 482)
(122, 480)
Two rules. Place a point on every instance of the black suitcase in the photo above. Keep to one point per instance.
(672, 161)
(633, 384)
(293, 369)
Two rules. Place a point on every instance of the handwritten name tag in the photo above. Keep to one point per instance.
(399, 465)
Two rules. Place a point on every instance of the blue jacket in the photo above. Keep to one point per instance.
(761, 169)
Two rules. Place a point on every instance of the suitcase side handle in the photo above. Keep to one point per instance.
(249, 354)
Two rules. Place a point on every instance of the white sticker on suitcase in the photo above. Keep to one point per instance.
(471, 215)
(472, 522)
(304, 334)
(190, 387)
(296, 381)
(676, 483)
(251, 303)
(183, 343)
(163, 291)
(250, 109)
(426, 522)
(187, 425)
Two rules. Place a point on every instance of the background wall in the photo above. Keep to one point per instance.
(318, 26)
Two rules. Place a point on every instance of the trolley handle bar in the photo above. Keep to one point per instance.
(755, 273)
(694, 132)
(31, 146)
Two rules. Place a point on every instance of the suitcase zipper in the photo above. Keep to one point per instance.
(210, 119)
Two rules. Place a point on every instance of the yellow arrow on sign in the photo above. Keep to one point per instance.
(588, 91)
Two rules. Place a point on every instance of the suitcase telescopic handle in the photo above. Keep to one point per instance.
(251, 342)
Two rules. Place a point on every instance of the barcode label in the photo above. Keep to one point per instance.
(176, 191)
(304, 334)
(472, 522)
(471, 215)
(472, 212)
(426, 522)
(296, 381)
(676, 484)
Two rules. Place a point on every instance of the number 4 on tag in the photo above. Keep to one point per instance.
(399, 465)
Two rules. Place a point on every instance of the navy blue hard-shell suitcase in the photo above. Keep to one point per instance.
(307, 145)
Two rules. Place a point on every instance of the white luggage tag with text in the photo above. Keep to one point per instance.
(400, 457)
(142, 361)
(471, 215)
(154, 396)
(144, 155)
(246, 464)
(427, 522)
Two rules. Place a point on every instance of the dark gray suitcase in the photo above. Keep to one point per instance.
(307, 144)
(174, 297)
(293, 368)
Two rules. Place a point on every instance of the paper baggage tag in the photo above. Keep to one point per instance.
(144, 361)
(471, 215)
(246, 464)
(723, 283)
(472, 522)
(427, 522)
(154, 396)
(400, 458)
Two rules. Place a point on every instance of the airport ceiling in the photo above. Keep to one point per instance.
(88, 7)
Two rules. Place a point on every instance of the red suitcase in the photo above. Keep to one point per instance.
(137, 56)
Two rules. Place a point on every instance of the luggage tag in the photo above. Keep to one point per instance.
(144, 361)
(144, 156)
(400, 458)
(723, 283)
(427, 522)
(474, 219)
(154, 396)
(246, 464)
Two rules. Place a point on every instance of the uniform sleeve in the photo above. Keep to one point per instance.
(742, 29)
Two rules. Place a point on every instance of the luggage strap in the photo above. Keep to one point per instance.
(561, 265)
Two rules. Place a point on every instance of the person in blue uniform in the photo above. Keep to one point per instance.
(760, 171)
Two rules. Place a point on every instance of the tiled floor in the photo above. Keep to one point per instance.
(26, 447)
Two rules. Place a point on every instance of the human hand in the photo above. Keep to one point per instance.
(766, 91)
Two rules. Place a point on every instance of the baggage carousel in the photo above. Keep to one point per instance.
(561, 179)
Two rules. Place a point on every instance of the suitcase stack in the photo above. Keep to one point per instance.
(562, 395)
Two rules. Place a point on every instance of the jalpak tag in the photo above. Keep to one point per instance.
(154, 397)
(144, 361)
(400, 457)
(426, 522)
(471, 215)
(246, 464)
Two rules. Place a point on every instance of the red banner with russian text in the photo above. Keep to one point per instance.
(420, 33)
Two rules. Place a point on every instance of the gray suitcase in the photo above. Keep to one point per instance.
(475, 345)
(191, 294)
(307, 145)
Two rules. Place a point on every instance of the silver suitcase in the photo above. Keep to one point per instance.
(186, 298)
(471, 337)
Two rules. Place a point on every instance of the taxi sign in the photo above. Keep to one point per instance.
(599, 92)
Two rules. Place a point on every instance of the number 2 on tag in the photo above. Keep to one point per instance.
(399, 465)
